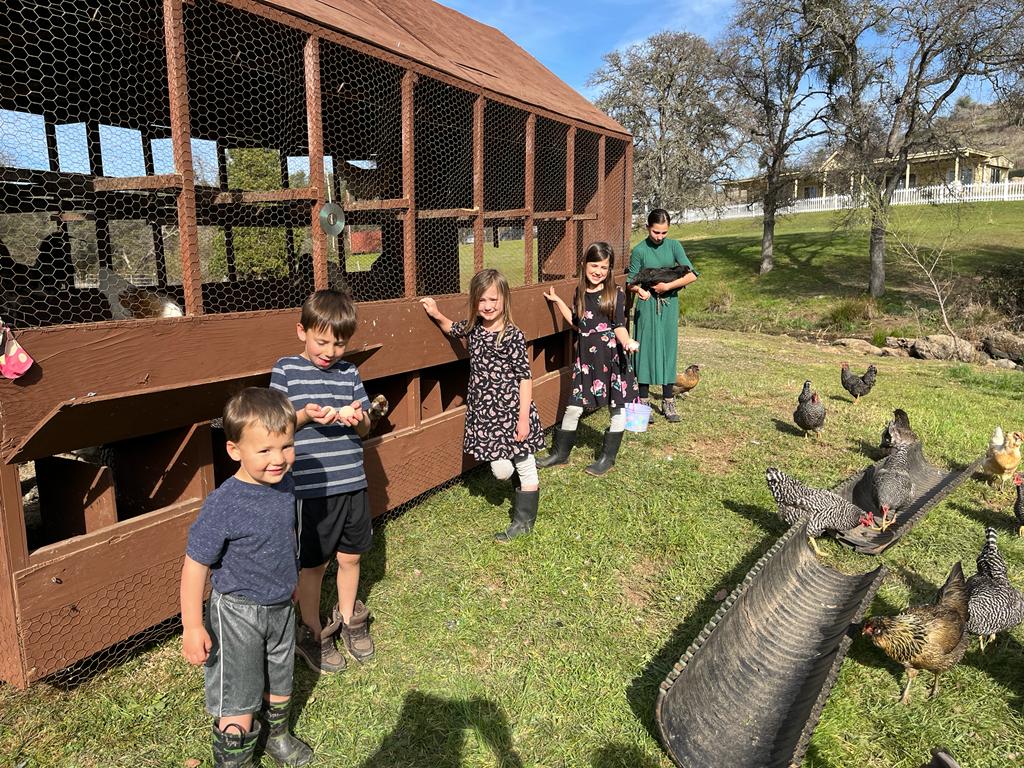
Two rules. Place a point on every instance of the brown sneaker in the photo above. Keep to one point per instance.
(668, 407)
(321, 655)
(356, 634)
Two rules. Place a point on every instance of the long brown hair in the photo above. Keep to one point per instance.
(597, 252)
(481, 281)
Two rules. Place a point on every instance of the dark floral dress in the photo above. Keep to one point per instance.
(601, 374)
(492, 400)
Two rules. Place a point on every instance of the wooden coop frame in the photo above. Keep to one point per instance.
(146, 390)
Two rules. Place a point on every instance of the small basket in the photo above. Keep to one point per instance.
(638, 416)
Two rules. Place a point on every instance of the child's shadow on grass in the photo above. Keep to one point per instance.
(432, 731)
(642, 693)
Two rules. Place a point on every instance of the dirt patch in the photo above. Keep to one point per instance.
(640, 582)
(716, 455)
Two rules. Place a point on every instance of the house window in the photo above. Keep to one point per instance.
(810, 192)
(966, 175)
(997, 175)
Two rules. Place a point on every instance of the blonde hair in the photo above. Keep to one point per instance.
(269, 407)
(597, 252)
(481, 281)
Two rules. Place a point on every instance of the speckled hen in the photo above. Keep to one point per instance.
(823, 510)
(993, 605)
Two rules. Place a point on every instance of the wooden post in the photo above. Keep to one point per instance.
(181, 141)
(478, 183)
(229, 229)
(569, 255)
(531, 136)
(602, 214)
(315, 134)
(409, 187)
(627, 232)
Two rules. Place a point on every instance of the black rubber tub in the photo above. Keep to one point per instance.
(750, 689)
(931, 485)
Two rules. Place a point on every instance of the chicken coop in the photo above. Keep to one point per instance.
(176, 176)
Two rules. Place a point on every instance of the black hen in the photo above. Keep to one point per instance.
(891, 485)
(897, 432)
(823, 510)
(858, 386)
(810, 412)
(1018, 505)
(993, 605)
(651, 276)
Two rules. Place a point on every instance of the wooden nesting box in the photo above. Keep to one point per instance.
(177, 154)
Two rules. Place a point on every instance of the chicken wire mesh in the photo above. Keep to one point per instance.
(154, 167)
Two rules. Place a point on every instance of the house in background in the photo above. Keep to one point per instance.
(963, 165)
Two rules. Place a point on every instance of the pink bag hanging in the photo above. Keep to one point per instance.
(14, 360)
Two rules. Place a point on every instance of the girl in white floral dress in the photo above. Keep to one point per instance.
(502, 424)
(601, 374)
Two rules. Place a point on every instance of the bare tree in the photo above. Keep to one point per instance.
(667, 91)
(773, 51)
(895, 66)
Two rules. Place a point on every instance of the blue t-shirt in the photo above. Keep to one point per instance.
(328, 459)
(245, 533)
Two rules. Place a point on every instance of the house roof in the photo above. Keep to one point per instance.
(455, 44)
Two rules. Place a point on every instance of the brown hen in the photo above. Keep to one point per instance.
(1002, 461)
(932, 637)
(687, 380)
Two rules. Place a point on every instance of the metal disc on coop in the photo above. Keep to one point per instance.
(332, 219)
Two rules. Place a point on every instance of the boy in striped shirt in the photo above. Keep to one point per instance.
(331, 411)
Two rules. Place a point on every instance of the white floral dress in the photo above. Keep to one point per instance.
(601, 374)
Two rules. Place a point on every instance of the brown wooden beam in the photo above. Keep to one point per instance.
(569, 243)
(530, 159)
(448, 213)
(627, 231)
(136, 183)
(478, 183)
(181, 141)
(409, 186)
(315, 134)
(552, 215)
(583, 217)
(388, 204)
(602, 228)
(513, 213)
(266, 195)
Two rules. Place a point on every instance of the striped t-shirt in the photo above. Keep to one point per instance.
(328, 460)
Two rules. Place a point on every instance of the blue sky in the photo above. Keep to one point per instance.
(569, 37)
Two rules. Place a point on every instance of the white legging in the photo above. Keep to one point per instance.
(525, 466)
(571, 418)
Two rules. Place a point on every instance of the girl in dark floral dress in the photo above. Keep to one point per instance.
(502, 425)
(601, 374)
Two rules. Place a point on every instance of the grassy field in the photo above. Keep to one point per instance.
(819, 284)
(549, 651)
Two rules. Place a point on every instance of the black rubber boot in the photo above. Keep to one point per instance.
(612, 441)
(234, 749)
(561, 446)
(524, 515)
(281, 745)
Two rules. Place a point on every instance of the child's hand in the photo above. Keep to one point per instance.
(429, 305)
(632, 345)
(195, 645)
(523, 428)
(350, 415)
(660, 288)
(644, 295)
(320, 415)
(551, 295)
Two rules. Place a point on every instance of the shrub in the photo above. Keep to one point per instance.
(848, 314)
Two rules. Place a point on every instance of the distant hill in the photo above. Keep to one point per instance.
(986, 127)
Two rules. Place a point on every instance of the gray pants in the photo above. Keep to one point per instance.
(253, 653)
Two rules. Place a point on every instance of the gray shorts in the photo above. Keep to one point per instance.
(253, 652)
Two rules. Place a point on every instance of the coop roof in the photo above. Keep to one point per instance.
(453, 43)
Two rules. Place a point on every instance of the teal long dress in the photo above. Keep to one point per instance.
(656, 321)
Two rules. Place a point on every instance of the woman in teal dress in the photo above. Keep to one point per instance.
(656, 320)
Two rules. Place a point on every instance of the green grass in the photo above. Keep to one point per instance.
(819, 284)
(549, 651)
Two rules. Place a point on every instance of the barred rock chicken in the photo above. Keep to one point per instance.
(810, 413)
(891, 486)
(1018, 504)
(932, 637)
(993, 605)
(1002, 460)
(687, 380)
(823, 510)
(648, 277)
(858, 386)
(897, 432)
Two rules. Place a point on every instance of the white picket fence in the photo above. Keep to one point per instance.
(936, 195)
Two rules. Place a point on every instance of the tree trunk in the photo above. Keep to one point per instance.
(768, 244)
(876, 282)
